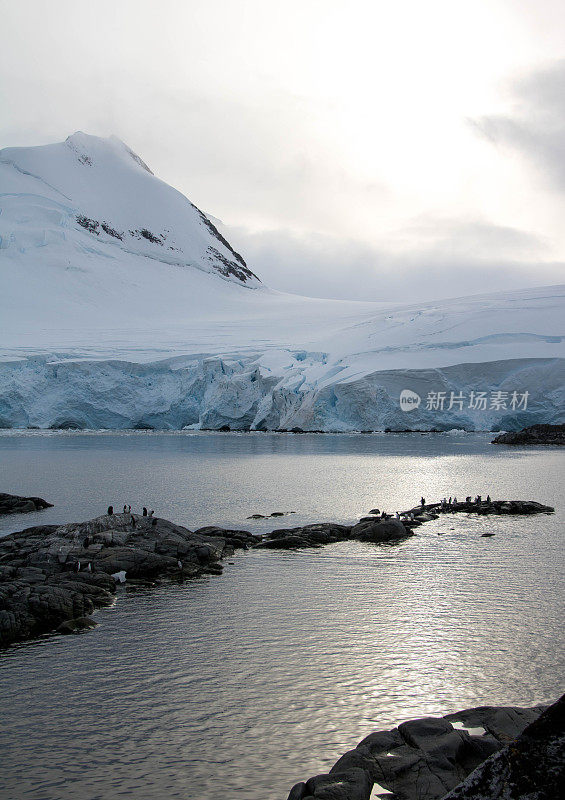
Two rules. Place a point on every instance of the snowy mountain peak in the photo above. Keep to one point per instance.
(90, 198)
(86, 147)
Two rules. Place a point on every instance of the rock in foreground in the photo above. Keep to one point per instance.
(13, 504)
(51, 575)
(426, 758)
(532, 767)
(535, 434)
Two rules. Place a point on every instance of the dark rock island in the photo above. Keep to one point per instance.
(535, 434)
(55, 576)
(387, 528)
(12, 504)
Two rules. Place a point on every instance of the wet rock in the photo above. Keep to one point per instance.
(531, 768)
(426, 758)
(78, 625)
(12, 504)
(288, 542)
(353, 784)
(212, 569)
(298, 792)
(51, 574)
(535, 434)
(236, 538)
(355, 759)
(307, 536)
(368, 530)
(135, 562)
(30, 575)
(377, 531)
(504, 723)
(517, 507)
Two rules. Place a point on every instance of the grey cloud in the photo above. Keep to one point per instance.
(536, 128)
(442, 237)
(260, 157)
(468, 258)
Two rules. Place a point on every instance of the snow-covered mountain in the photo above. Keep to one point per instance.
(121, 305)
(96, 196)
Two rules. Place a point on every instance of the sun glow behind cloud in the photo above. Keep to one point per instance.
(349, 120)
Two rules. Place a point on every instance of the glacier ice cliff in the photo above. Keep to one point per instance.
(240, 393)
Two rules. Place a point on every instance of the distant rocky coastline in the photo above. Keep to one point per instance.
(13, 504)
(487, 753)
(382, 528)
(535, 434)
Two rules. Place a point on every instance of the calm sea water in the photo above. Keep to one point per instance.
(236, 686)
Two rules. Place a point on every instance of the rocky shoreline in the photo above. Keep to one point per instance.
(52, 577)
(535, 434)
(494, 752)
(380, 528)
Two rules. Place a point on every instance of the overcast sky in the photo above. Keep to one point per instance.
(352, 148)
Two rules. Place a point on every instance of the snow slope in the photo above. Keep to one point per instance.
(91, 195)
(122, 306)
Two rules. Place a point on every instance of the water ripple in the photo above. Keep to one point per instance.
(236, 686)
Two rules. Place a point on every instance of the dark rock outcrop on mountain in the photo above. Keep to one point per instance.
(535, 434)
(426, 758)
(57, 575)
(531, 768)
(12, 504)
